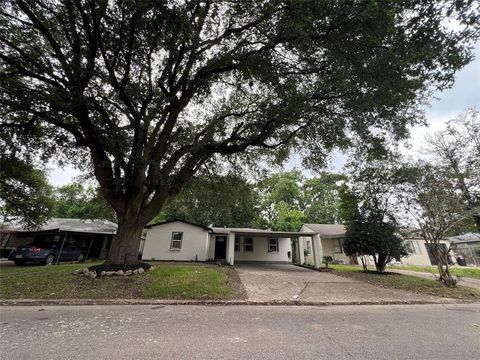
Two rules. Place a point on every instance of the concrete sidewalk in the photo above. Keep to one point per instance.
(468, 282)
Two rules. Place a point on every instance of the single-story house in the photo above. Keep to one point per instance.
(331, 244)
(93, 236)
(421, 254)
(466, 248)
(179, 240)
(330, 238)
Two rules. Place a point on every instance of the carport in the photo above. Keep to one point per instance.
(261, 246)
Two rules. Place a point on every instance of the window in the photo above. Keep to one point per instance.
(415, 246)
(309, 247)
(248, 244)
(176, 243)
(337, 246)
(237, 243)
(273, 245)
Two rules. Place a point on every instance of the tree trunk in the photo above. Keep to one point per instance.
(125, 246)
(442, 264)
(364, 263)
(380, 262)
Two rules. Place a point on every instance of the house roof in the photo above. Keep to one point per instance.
(259, 232)
(465, 238)
(94, 226)
(327, 230)
(183, 221)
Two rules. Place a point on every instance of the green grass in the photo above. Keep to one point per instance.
(457, 271)
(406, 282)
(187, 282)
(166, 281)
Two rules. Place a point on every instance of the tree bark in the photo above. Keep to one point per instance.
(125, 246)
(381, 262)
(442, 264)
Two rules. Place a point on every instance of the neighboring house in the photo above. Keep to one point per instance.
(331, 244)
(92, 236)
(330, 238)
(467, 248)
(179, 240)
(421, 254)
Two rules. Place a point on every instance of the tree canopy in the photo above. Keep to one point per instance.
(76, 201)
(214, 200)
(145, 93)
(24, 192)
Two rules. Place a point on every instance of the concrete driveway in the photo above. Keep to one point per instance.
(281, 282)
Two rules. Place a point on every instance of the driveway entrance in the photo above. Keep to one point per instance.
(282, 282)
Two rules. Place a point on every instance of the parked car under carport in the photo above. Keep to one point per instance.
(46, 252)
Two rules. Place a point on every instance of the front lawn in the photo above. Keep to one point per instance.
(406, 282)
(457, 271)
(166, 281)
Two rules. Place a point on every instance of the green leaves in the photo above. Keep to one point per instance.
(25, 194)
(75, 201)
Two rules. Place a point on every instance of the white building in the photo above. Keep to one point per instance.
(183, 241)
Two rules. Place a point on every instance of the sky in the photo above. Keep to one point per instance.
(443, 107)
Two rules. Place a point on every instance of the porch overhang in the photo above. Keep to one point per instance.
(261, 233)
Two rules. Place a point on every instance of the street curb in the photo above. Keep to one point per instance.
(78, 302)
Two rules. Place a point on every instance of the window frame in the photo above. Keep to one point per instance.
(339, 244)
(276, 245)
(236, 244)
(308, 244)
(417, 250)
(172, 240)
(248, 241)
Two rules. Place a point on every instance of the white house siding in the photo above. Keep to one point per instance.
(158, 239)
(328, 246)
(211, 247)
(260, 250)
(420, 256)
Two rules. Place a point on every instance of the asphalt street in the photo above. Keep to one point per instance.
(240, 332)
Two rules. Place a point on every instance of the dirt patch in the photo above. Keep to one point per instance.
(238, 289)
(116, 287)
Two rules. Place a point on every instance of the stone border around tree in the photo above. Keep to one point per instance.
(93, 274)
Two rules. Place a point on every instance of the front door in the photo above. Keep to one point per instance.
(220, 247)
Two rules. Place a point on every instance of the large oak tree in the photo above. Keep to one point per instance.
(148, 92)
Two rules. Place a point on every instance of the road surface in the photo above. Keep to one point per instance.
(240, 332)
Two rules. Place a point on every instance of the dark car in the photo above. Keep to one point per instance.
(46, 252)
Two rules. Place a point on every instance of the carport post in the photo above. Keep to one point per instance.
(89, 247)
(317, 251)
(61, 249)
(301, 251)
(230, 248)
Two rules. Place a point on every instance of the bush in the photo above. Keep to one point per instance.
(327, 260)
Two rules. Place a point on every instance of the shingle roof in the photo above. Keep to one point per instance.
(465, 238)
(327, 230)
(74, 225)
(183, 221)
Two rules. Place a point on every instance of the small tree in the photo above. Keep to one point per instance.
(436, 207)
(374, 233)
(327, 260)
(457, 150)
